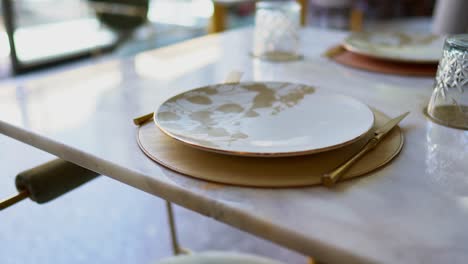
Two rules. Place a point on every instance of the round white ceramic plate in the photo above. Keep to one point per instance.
(402, 47)
(264, 119)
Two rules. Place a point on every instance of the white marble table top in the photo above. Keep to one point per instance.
(413, 211)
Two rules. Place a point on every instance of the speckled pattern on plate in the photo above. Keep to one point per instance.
(264, 119)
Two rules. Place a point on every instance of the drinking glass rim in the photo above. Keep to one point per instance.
(459, 41)
(269, 4)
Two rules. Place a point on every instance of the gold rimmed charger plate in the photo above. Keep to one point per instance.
(264, 119)
(265, 172)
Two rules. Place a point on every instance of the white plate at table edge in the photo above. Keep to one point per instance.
(258, 153)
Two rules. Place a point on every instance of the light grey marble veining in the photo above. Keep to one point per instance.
(411, 211)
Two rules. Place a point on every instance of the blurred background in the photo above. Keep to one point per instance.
(100, 222)
(44, 33)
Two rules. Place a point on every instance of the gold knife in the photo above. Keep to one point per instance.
(329, 179)
(232, 77)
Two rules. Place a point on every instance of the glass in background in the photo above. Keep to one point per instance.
(449, 102)
(276, 34)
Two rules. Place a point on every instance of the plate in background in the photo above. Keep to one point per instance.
(402, 47)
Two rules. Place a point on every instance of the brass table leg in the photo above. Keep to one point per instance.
(176, 248)
(13, 200)
(304, 8)
(356, 20)
(218, 20)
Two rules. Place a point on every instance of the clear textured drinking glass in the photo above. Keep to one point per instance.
(449, 102)
(276, 34)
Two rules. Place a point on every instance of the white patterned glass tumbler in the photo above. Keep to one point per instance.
(449, 102)
(276, 34)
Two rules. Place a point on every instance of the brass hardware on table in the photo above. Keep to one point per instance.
(218, 20)
(14, 199)
(329, 179)
(356, 20)
(176, 248)
(304, 8)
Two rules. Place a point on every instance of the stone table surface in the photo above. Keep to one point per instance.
(411, 211)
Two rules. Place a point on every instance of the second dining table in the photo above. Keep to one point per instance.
(413, 210)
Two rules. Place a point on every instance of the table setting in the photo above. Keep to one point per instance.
(260, 130)
(319, 157)
(236, 125)
(282, 134)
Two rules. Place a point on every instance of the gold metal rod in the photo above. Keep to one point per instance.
(218, 20)
(356, 20)
(304, 9)
(13, 200)
(172, 227)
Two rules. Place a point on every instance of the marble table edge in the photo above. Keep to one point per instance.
(231, 215)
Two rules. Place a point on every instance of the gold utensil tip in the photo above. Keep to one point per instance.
(334, 51)
(143, 119)
(329, 179)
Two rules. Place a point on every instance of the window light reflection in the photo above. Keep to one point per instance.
(60, 39)
(4, 45)
(9, 109)
(66, 100)
(172, 62)
(463, 202)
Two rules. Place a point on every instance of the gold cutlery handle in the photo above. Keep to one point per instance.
(329, 179)
(142, 119)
